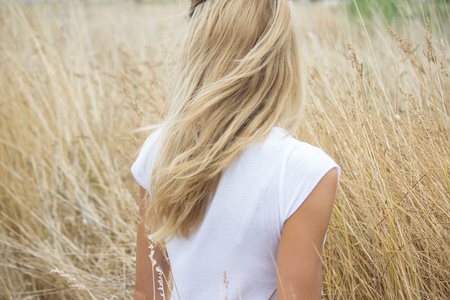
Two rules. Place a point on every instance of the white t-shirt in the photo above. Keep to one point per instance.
(242, 226)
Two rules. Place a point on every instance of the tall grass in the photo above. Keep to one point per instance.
(77, 80)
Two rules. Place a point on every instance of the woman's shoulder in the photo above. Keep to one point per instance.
(294, 150)
(297, 159)
(150, 141)
(142, 166)
(303, 166)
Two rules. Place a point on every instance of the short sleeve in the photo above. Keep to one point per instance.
(142, 167)
(303, 167)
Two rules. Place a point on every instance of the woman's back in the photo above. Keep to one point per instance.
(224, 183)
(241, 230)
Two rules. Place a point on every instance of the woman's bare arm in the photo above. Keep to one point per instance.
(146, 286)
(299, 254)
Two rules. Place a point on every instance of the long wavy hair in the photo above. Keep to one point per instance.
(238, 76)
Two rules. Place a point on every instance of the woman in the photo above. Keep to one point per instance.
(240, 206)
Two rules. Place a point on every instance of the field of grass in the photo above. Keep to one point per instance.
(78, 81)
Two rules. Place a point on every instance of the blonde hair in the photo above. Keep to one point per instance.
(238, 76)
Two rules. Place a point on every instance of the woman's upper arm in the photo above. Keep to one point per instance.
(146, 285)
(299, 253)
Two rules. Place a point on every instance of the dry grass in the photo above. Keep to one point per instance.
(77, 80)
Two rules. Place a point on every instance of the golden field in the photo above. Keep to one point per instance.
(78, 82)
